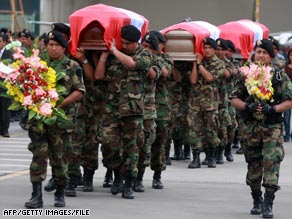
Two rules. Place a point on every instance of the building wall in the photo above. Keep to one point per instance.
(162, 13)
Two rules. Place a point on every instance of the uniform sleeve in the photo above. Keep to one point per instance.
(77, 79)
(286, 87)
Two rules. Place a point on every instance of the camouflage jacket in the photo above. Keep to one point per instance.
(133, 82)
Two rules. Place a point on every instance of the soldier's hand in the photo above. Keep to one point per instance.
(251, 107)
(80, 54)
(268, 109)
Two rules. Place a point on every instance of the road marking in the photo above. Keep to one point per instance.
(25, 155)
(12, 175)
(13, 165)
(11, 159)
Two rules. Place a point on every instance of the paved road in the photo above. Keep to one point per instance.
(204, 193)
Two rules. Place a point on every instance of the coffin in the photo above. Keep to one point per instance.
(180, 45)
(91, 37)
(185, 39)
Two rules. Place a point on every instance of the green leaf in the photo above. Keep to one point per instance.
(60, 75)
(60, 89)
(31, 115)
(40, 125)
(51, 120)
(15, 106)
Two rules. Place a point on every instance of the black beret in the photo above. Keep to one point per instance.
(61, 27)
(3, 30)
(210, 41)
(21, 34)
(275, 43)
(58, 37)
(152, 40)
(222, 43)
(131, 33)
(159, 35)
(231, 45)
(267, 45)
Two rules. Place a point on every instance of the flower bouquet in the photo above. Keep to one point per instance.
(258, 81)
(33, 86)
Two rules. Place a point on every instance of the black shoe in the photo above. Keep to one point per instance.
(50, 186)
(5, 134)
(128, 193)
(59, 198)
(70, 190)
(108, 182)
(240, 151)
(167, 161)
(157, 184)
(36, 200)
(138, 186)
(117, 186)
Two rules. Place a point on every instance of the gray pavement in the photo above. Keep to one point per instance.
(189, 193)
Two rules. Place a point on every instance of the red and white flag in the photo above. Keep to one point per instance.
(110, 18)
(244, 34)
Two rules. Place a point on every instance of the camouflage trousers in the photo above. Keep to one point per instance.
(263, 150)
(224, 122)
(120, 140)
(158, 146)
(233, 126)
(203, 129)
(52, 143)
(149, 135)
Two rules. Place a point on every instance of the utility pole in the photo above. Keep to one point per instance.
(256, 11)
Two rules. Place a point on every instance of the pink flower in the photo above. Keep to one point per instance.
(53, 94)
(27, 101)
(18, 54)
(39, 91)
(46, 109)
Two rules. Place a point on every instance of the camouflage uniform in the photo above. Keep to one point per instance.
(223, 113)
(162, 102)
(175, 89)
(150, 115)
(203, 110)
(54, 142)
(123, 114)
(263, 139)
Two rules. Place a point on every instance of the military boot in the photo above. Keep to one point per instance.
(108, 179)
(257, 202)
(127, 192)
(178, 155)
(156, 183)
(196, 163)
(50, 186)
(227, 153)
(205, 161)
(187, 151)
(219, 155)
(117, 186)
(268, 204)
(236, 139)
(71, 185)
(88, 180)
(59, 197)
(138, 184)
(36, 200)
(212, 159)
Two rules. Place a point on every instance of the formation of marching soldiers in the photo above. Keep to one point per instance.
(133, 103)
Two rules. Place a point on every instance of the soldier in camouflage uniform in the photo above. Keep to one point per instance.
(203, 104)
(149, 42)
(162, 102)
(263, 137)
(224, 116)
(53, 142)
(123, 118)
(233, 136)
(180, 134)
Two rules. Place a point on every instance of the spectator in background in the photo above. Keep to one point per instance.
(287, 114)
(4, 101)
